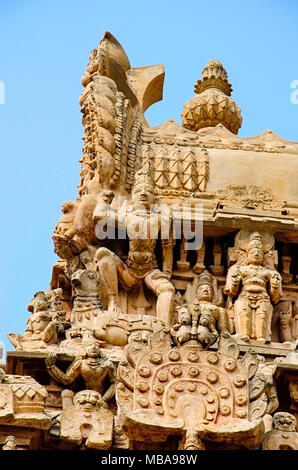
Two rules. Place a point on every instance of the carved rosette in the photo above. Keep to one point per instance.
(167, 391)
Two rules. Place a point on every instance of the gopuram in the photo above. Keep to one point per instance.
(171, 320)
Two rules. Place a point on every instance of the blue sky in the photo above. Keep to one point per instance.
(44, 49)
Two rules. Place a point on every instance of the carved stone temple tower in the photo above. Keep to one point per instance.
(171, 321)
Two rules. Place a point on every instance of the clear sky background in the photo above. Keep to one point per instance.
(44, 50)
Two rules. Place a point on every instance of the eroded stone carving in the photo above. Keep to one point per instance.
(284, 435)
(85, 418)
(204, 319)
(248, 196)
(10, 443)
(116, 328)
(92, 365)
(22, 402)
(86, 304)
(263, 391)
(284, 316)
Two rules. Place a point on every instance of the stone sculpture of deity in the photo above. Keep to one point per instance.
(204, 320)
(256, 288)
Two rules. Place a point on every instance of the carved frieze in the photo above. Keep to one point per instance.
(248, 196)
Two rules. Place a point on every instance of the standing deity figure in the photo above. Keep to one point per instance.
(143, 225)
(260, 289)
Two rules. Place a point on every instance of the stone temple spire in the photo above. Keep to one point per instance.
(213, 104)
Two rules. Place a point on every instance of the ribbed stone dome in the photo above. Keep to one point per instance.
(213, 104)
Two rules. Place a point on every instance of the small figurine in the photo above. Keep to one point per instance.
(10, 443)
(284, 435)
(204, 319)
(44, 325)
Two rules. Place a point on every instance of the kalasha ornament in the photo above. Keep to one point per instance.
(213, 104)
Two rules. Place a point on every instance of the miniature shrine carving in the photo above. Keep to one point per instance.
(22, 402)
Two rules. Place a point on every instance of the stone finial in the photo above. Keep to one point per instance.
(213, 104)
(214, 75)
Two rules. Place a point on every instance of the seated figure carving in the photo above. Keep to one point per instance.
(143, 225)
(44, 325)
(283, 435)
